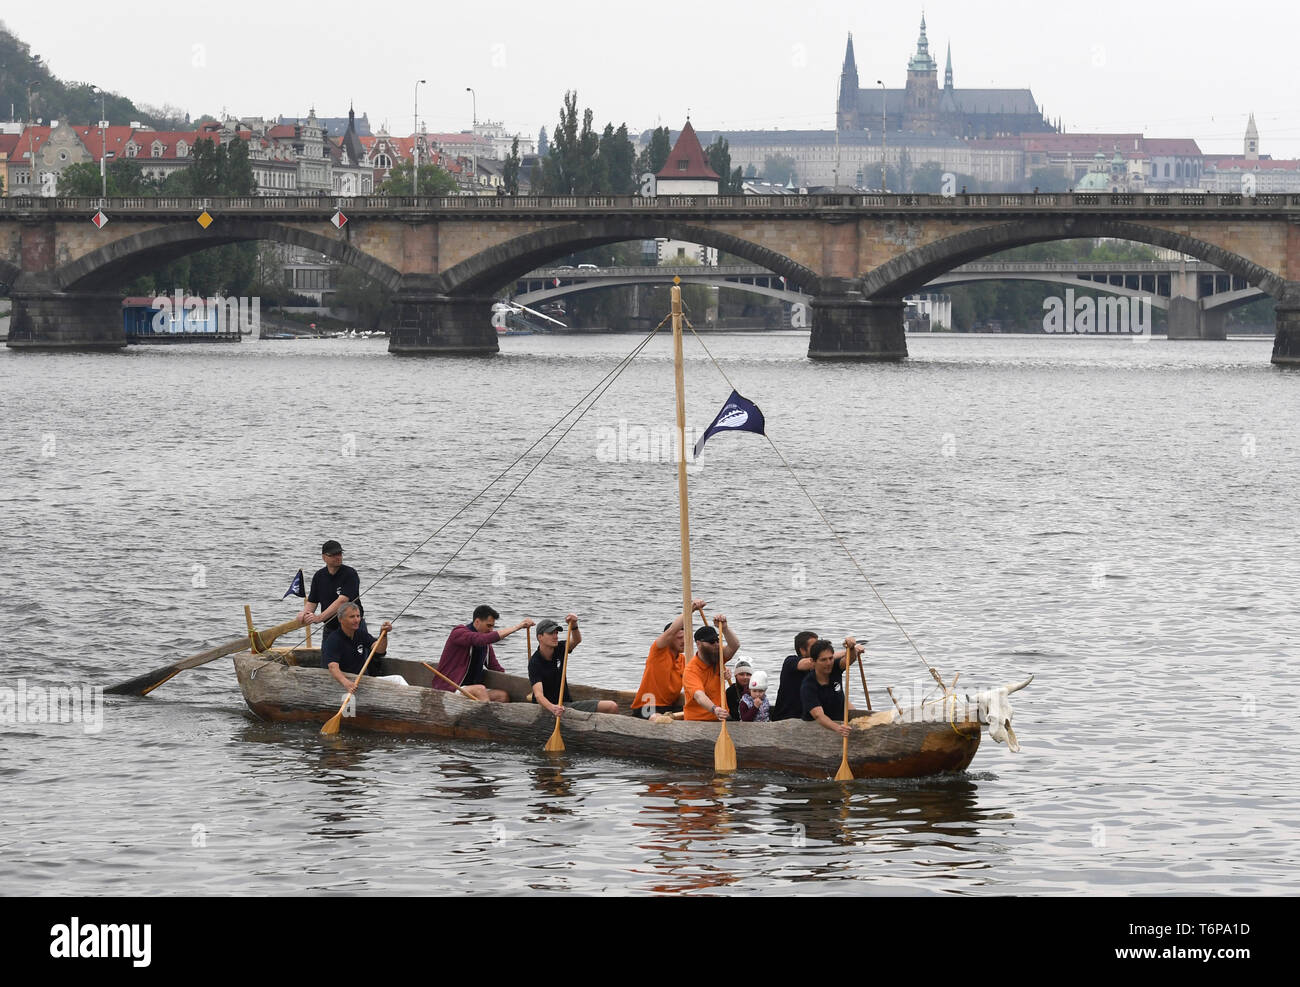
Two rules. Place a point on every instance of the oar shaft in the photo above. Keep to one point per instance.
(449, 681)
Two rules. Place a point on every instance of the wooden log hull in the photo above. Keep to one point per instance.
(880, 747)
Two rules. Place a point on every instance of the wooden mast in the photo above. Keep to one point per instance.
(688, 622)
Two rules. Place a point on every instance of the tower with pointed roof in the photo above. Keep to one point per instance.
(1251, 146)
(846, 108)
(921, 102)
(687, 171)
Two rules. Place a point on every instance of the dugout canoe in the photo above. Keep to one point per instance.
(293, 688)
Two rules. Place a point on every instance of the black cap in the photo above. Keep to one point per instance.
(547, 626)
(331, 547)
(707, 634)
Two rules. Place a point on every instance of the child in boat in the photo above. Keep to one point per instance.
(753, 704)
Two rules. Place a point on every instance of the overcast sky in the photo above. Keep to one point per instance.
(1187, 69)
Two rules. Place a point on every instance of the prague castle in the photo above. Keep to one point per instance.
(923, 108)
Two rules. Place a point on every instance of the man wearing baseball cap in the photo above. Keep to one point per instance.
(702, 680)
(547, 664)
(332, 586)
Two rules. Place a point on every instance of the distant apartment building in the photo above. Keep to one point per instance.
(1250, 173)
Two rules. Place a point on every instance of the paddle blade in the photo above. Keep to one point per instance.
(556, 744)
(845, 773)
(331, 726)
(142, 685)
(724, 751)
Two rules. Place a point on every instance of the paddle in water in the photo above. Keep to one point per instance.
(331, 726)
(556, 744)
(142, 685)
(845, 773)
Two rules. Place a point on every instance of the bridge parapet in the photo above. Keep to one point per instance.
(435, 206)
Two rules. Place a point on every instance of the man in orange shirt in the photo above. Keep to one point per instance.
(661, 683)
(702, 679)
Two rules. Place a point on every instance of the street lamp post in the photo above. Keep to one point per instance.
(883, 124)
(103, 147)
(415, 142)
(473, 144)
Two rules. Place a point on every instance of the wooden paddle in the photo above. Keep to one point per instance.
(845, 773)
(331, 726)
(467, 695)
(863, 672)
(556, 744)
(724, 751)
(142, 685)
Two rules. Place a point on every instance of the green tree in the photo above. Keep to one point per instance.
(123, 177)
(730, 180)
(434, 180)
(510, 170)
(779, 169)
(655, 154)
(619, 155)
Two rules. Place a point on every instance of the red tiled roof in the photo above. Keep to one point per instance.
(687, 149)
(1172, 145)
(114, 141)
(282, 130)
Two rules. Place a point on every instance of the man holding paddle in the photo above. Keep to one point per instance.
(545, 668)
(346, 651)
(702, 679)
(468, 655)
(822, 691)
(661, 682)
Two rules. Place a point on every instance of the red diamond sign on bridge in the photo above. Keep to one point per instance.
(555, 282)
(99, 219)
(338, 219)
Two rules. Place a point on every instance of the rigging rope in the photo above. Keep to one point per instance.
(835, 534)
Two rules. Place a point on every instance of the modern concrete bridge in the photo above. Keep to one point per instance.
(1197, 296)
(445, 258)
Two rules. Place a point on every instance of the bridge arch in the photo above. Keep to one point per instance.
(542, 295)
(495, 267)
(910, 272)
(118, 262)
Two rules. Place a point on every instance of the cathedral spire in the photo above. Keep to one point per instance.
(850, 62)
(922, 60)
(1251, 147)
(947, 72)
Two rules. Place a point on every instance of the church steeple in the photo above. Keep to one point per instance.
(846, 110)
(947, 72)
(922, 61)
(1252, 140)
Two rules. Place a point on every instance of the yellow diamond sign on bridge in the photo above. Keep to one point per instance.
(204, 219)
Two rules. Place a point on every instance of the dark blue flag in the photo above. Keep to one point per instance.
(737, 415)
(295, 587)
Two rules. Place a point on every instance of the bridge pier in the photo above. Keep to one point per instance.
(426, 322)
(847, 326)
(42, 319)
(1189, 319)
(1286, 344)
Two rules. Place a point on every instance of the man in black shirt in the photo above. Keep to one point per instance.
(345, 652)
(546, 665)
(789, 705)
(822, 690)
(332, 586)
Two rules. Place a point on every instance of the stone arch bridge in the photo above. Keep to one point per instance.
(445, 258)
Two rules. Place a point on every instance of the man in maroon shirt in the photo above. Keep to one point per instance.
(468, 654)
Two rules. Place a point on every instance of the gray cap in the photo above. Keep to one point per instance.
(547, 626)
(742, 665)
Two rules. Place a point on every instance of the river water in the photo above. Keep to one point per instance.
(1117, 518)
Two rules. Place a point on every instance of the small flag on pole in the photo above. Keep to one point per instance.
(737, 415)
(295, 588)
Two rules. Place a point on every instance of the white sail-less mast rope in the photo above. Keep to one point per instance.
(835, 534)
